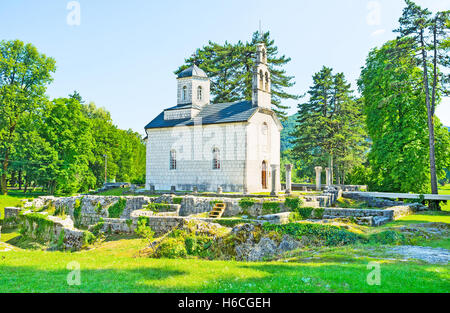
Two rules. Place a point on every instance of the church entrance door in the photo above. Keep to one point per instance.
(264, 175)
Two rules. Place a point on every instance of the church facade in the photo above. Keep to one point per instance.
(235, 146)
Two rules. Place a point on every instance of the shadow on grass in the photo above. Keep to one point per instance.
(29, 279)
(213, 276)
(29, 194)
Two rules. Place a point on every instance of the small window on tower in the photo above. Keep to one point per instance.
(199, 93)
(267, 81)
(184, 93)
(216, 159)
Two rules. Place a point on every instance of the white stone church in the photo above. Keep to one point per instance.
(203, 145)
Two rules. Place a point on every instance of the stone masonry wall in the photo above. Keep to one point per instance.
(71, 239)
(371, 201)
(194, 147)
(90, 214)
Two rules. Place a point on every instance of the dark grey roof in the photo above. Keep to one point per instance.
(193, 70)
(184, 106)
(239, 111)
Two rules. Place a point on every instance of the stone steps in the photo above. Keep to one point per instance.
(217, 210)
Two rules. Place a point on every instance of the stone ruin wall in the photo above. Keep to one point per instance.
(164, 221)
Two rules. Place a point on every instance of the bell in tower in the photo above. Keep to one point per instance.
(261, 95)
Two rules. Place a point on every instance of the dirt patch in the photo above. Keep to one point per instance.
(427, 254)
(4, 247)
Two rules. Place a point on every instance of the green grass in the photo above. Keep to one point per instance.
(113, 267)
(422, 217)
(6, 201)
(13, 199)
(445, 190)
(113, 192)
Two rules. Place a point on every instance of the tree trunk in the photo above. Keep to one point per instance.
(20, 179)
(3, 187)
(434, 188)
(331, 168)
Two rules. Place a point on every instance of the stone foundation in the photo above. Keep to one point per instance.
(371, 201)
(374, 217)
(56, 231)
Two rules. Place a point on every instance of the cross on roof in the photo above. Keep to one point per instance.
(195, 57)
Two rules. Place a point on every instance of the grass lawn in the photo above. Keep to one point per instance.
(445, 190)
(13, 199)
(114, 267)
(423, 217)
(6, 201)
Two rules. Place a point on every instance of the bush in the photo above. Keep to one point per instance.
(88, 238)
(387, 237)
(246, 203)
(97, 227)
(99, 208)
(60, 211)
(177, 200)
(191, 244)
(116, 210)
(77, 211)
(293, 202)
(270, 207)
(142, 230)
(60, 243)
(331, 235)
(158, 207)
(172, 248)
(232, 222)
(302, 213)
(318, 212)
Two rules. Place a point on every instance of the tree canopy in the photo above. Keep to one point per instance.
(330, 126)
(230, 68)
(59, 144)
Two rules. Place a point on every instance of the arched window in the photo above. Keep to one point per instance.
(184, 94)
(264, 56)
(264, 137)
(173, 159)
(216, 159)
(264, 129)
(199, 93)
(261, 80)
(267, 81)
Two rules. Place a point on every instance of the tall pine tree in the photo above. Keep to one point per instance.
(329, 130)
(425, 32)
(230, 66)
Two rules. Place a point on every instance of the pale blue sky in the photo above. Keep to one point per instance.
(123, 53)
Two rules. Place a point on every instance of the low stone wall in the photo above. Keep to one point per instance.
(278, 218)
(371, 201)
(194, 205)
(374, 217)
(117, 226)
(55, 230)
(159, 224)
(11, 217)
(90, 213)
(12, 212)
(406, 209)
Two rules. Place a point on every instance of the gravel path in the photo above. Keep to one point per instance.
(427, 254)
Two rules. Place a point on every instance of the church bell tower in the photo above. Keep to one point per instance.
(261, 95)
